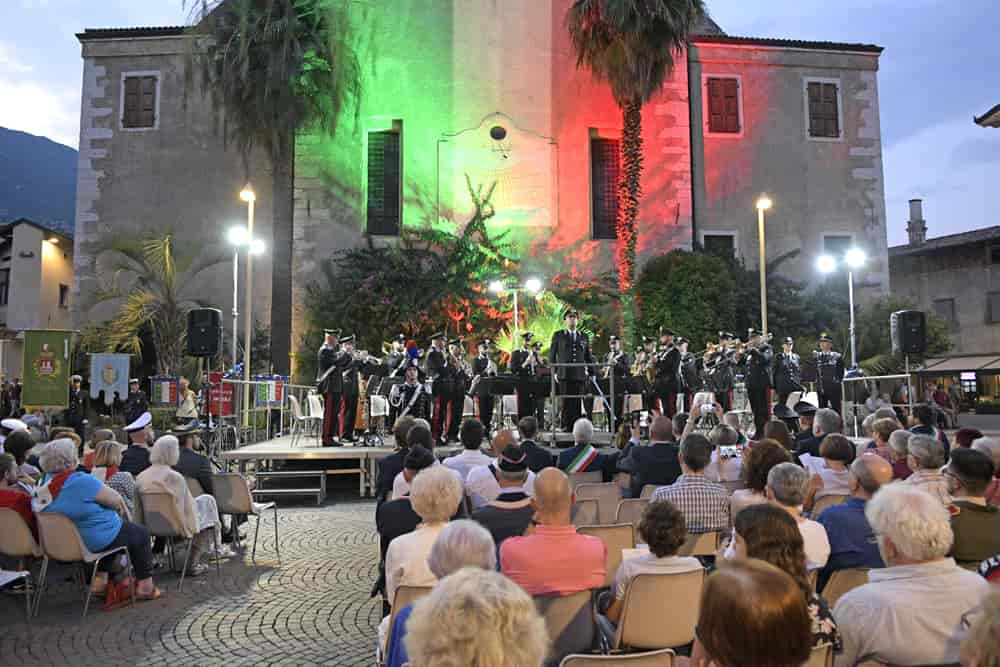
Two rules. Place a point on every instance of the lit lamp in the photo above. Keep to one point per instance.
(531, 286)
(239, 238)
(247, 195)
(763, 204)
(854, 258)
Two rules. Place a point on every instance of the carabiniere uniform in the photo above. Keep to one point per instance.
(666, 382)
(620, 367)
(787, 373)
(330, 383)
(691, 381)
(757, 364)
(829, 376)
(572, 346)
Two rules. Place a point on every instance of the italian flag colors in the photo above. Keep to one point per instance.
(582, 460)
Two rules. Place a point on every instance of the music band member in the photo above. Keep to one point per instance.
(524, 364)
(395, 361)
(719, 368)
(330, 383)
(570, 345)
(757, 358)
(829, 374)
(353, 364)
(787, 371)
(666, 373)
(442, 380)
(642, 371)
(410, 398)
(620, 367)
(691, 382)
(483, 367)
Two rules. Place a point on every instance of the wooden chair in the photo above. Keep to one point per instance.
(643, 625)
(630, 511)
(701, 544)
(734, 485)
(661, 658)
(194, 486)
(404, 595)
(17, 542)
(842, 581)
(584, 513)
(823, 502)
(570, 621)
(233, 497)
(615, 537)
(647, 491)
(163, 519)
(590, 477)
(607, 496)
(822, 656)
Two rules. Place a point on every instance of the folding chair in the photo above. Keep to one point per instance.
(642, 623)
(648, 490)
(301, 421)
(823, 502)
(821, 656)
(584, 513)
(843, 581)
(61, 542)
(630, 511)
(233, 497)
(661, 658)
(404, 595)
(700, 544)
(590, 477)
(162, 518)
(607, 496)
(615, 537)
(315, 415)
(570, 621)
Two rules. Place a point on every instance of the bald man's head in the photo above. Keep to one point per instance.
(553, 493)
(661, 429)
(501, 440)
(871, 472)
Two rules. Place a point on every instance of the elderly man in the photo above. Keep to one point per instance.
(483, 482)
(852, 542)
(825, 422)
(554, 559)
(787, 485)
(191, 463)
(704, 504)
(470, 434)
(538, 456)
(583, 456)
(655, 464)
(925, 458)
(135, 458)
(991, 447)
(911, 612)
(511, 512)
(975, 524)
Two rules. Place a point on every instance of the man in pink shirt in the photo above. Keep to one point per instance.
(552, 559)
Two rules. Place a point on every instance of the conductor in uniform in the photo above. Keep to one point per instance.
(787, 370)
(483, 367)
(666, 380)
(620, 367)
(570, 345)
(330, 383)
(757, 359)
(829, 374)
(521, 366)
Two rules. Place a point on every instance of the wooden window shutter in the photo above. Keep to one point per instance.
(140, 102)
(723, 105)
(147, 108)
(132, 94)
(824, 118)
(605, 171)
(384, 174)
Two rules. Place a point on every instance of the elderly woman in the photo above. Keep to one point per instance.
(757, 462)
(926, 456)
(462, 543)
(787, 486)
(991, 447)
(475, 618)
(829, 472)
(95, 510)
(107, 458)
(882, 430)
(898, 453)
(18, 444)
(200, 515)
(96, 438)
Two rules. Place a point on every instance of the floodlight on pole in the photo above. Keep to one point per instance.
(237, 235)
(826, 264)
(533, 285)
(257, 247)
(763, 203)
(855, 258)
(496, 287)
(247, 194)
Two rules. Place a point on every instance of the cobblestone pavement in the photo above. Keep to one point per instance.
(312, 609)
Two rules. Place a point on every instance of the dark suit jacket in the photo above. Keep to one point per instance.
(565, 349)
(807, 445)
(538, 456)
(194, 465)
(507, 516)
(388, 468)
(655, 463)
(135, 459)
(603, 462)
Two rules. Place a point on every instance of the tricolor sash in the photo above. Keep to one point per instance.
(582, 460)
(45, 494)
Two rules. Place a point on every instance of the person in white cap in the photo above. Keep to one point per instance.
(135, 458)
(8, 426)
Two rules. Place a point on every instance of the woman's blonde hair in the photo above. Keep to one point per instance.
(476, 618)
(107, 454)
(435, 494)
(981, 647)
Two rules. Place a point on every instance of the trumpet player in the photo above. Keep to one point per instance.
(456, 397)
(352, 388)
(483, 367)
(690, 374)
(330, 383)
(757, 357)
(524, 364)
(441, 376)
(619, 365)
(643, 370)
(666, 378)
(719, 368)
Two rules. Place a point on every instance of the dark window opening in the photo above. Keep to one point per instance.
(723, 245)
(384, 179)
(993, 308)
(945, 309)
(4, 286)
(823, 116)
(64, 296)
(605, 171)
(837, 246)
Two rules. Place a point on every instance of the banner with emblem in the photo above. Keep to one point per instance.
(109, 373)
(46, 369)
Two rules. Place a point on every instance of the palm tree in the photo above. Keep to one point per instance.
(272, 67)
(631, 44)
(151, 298)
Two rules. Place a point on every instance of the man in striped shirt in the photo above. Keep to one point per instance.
(704, 503)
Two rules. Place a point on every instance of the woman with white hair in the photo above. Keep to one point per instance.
(476, 618)
(925, 458)
(898, 452)
(991, 447)
(96, 511)
(200, 515)
(462, 543)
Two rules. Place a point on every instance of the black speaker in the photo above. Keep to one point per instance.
(204, 334)
(908, 329)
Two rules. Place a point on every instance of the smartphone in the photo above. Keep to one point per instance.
(729, 452)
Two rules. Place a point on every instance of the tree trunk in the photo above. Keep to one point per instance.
(283, 170)
(629, 192)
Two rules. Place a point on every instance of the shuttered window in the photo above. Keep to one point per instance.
(823, 114)
(140, 102)
(605, 170)
(723, 245)
(723, 105)
(384, 171)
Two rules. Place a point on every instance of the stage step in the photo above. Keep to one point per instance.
(319, 492)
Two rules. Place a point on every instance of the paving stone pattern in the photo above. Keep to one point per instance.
(312, 609)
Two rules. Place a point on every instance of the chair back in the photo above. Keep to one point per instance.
(643, 624)
(404, 595)
(584, 513)
(615, 537)
(607, 496)
(379, 406)
(700, 544)
(733, 485)
(813, 577)
(195, 487)
(842, 581)
(315, 405)
(821, 656)
(630, 511)
(661, 658)
(468, 407)
(59, 537)
(590, 477)
(296, 407)
(647, 491)
(16, 540)
(161, 515)
(823, 502)
(570, 622)
(231, 494)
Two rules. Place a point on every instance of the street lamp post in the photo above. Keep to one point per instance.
(763, 204)
(854, 258)
(531, 285)
(248, 196)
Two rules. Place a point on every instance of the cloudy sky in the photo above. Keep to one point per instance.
(938, 70)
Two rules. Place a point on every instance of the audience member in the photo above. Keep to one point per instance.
(510, 513)
(777, 430)
(14, 494)
(829, 473)
(732, 420)
(787, 485)
(553, 559)
(758, 461)
(981, 647)
(976, 525)
(18, 444)
(805, 441)
(882, 430)
(926, 456)
(910, 612)
(825, 422)
(583, 456)
(538, 456)
(475, 618)
(461, 544)
(662, 529)
(704, 503)
(392, 465)
(899, 452)
(419, 436)
(135, 459)
(852, 541)
(471, 435)
(483, 484)
(726, 463)
(191, 464)
(96, 438)
(106, 467)
(924, 421)
(964, 437)
(752, 613)
(991, 447)
(653, 464)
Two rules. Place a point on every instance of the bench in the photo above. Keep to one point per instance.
(318, 491)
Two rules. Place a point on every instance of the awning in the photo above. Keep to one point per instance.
(946, 365)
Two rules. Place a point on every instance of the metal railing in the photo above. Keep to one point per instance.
(588, 383)
(255, 419)
(851, 409)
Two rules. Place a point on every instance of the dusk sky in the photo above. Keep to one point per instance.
(939, 69)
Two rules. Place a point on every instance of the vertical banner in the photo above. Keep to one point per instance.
(220, 401)
(46, 369)
(163, 392)
(109, 373)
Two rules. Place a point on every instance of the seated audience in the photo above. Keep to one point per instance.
(106, 464)
(777, 430)
(805, 441)
(898, 453)
(758, 461)
(829, 472)
(964, 437)
(991, 447)
(771, 535)
(852, 541)
(538, 456)
(135, 458)
(14, 494)
(787, 485)
(392, 465)
(662, 529)
(653, 464)
(981, 647)
(470, 434)
(96, 438)
(910, 612)
(191, 464)
(882, 430)
(461, 544)
(975, 524)
(200, 515)
(724, 467)
(752, 613)
(476, 618)
(18, 444)
(510, 513)
(732, 420)
(926, 456)
(924, 424)
(704, 504)
(825, 422)
(483, 484)
(553, 559)
(583, 456)
(419, 436)
(96, 511)
(397, 517)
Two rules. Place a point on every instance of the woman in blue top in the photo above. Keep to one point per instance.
(95, 510)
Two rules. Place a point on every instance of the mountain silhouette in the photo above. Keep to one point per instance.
(37, 180)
